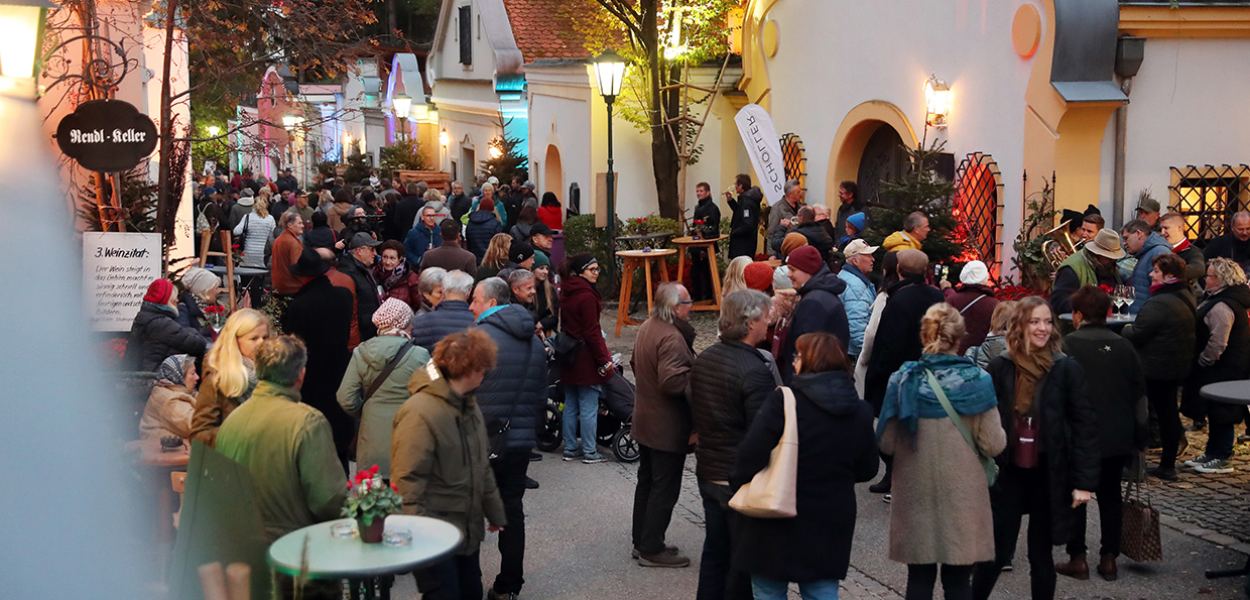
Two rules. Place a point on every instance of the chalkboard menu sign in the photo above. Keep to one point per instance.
(117, 268)
(106, 135)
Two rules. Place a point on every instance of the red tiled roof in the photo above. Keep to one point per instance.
(552, 29)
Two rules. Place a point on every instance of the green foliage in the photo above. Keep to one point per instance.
(1032, 264)
(328, 168)
(511, 161)
(581, 235)
(370, 499)
(919, 189)
(403, 155)
(651, 224)
(358, 167)
(138, 202)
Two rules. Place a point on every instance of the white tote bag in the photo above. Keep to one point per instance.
(770, 494)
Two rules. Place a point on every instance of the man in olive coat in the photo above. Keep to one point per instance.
(663, 357)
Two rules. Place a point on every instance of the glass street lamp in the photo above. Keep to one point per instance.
(213, 130)
(937, 101)
(21, 34)
(610, 74)
(289, 122)
(401, 106)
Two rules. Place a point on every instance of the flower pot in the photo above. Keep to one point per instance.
(372, 533)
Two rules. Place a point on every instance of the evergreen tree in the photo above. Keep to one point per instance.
(920, 189)
(511, 160)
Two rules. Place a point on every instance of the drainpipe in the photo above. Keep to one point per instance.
(1121, 136)
(1129, 52)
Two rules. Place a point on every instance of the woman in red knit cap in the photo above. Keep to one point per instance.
(156, 334)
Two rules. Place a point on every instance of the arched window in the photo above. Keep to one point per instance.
(978, 208)
(794, 157)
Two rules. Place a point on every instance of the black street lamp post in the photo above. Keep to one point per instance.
(610, 72)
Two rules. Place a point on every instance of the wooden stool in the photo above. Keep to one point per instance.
(686, 243)
(631, 259)
(227, 240)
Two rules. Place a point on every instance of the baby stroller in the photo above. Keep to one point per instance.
(616, 413)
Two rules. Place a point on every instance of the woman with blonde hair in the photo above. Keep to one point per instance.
(229, 373)
(1223, 347)
(1052, 457)
(735, 275)
(995, 342)
(496, 256)
(940, 512)
(256, 230)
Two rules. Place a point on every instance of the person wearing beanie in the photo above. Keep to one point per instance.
(791, 242)
(758, 276)
(974, 299)
(200, 288)
(156, 334)
(590, 365)
(521, 255)
(483, 224)
(376, 410)
(853, 229)
(819, 308)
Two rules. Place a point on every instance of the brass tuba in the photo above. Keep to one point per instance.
(1059, 246)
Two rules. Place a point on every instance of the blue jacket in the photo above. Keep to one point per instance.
(1154, 247)
(515, 391)
(819, 309)
(418, 240)
(482, 226)
(857, 299)
(447, 318)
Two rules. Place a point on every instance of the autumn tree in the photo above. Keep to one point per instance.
(662, 37)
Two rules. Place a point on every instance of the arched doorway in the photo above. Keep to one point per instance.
(553, 171)
(884, 159)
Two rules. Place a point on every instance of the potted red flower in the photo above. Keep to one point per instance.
(369, 500)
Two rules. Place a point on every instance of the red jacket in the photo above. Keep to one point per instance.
(404, 288)
(580, 307)
(552, 216)
(286, 251)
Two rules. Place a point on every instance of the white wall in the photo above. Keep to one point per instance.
(1187, 108)
(446, 57)
(834, 55)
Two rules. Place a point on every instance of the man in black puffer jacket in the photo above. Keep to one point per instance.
(820, 306)
(451, 315)
(512, 399)
(728, 384)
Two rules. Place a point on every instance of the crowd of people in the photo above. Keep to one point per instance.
(421, 332)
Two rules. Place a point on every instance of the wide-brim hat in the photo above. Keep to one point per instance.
(1106, 244)
(310, 264)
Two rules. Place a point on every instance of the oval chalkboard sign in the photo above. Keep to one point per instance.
(106, 135)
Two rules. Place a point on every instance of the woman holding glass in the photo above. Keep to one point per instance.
(1052, 457)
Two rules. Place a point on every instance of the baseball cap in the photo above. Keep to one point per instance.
(362, 239)
(858, 247)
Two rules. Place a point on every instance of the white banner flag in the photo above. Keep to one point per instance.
(760, 137)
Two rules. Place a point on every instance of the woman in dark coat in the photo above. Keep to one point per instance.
(483, 225)
(591, 365)
(1117, 393)
(974, 299)
(546, 301)
(1042, 402)
(1163, 334)
(1223, 355)
(155, 333)
(837, 449)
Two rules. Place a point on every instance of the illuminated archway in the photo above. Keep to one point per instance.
(553, 171)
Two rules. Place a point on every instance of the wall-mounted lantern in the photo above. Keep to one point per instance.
(937, 101)
(21, 41)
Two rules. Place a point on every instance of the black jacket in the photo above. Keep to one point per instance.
(1195, 264)
(321, 315)
(728, 383)
(459, 205)
(547, 311)
(816, 237)
(1164, 333)
(1069, 435)
(744, 223)
(898, 334)
(837, 449)
(156, 335)
(515, 391)
(482, 226)
(707, 211)
(819, 309)
(1228, 246)
(845, 211)
(403, 216)
(447, 318)
(1116, 387)
(367, 300)
(1234, 362)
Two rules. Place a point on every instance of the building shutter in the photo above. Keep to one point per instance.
(466, 36)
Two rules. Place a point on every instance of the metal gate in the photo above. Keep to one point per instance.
(1208, 196)
(978, 208)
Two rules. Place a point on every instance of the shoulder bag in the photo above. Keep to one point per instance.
(987, 463)
(387, 370)
(771, 493)
(1139, 535)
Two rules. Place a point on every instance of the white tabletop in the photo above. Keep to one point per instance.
(350, 558)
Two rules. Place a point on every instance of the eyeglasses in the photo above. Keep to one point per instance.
(593, 269)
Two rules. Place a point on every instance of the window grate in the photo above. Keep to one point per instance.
(1208, 196)
(978, 208)
(794, 158)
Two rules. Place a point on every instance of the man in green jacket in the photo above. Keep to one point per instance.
(285, 445)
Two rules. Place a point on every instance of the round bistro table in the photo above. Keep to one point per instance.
(333, 558)
(632, 260)
(1236, 392)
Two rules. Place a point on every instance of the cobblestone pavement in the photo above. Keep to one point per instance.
(1213, 507)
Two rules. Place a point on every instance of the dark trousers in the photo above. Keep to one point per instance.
(1162, 397)
(956, 582)
(1220, 440)
(659, 485)
(1110, 510)
(1019, 492)
(717, 578)
(458, 577)
(700, 275)
(510, 470)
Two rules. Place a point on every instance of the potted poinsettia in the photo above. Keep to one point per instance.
(369, 500)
